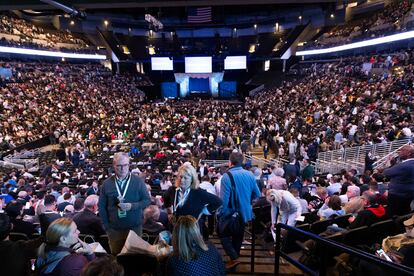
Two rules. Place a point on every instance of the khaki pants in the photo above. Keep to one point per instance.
(117, 238)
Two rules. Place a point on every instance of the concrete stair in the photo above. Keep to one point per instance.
(264, 260)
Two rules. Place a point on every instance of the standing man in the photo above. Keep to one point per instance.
(245, 190)
(122, 199)
(401, 186)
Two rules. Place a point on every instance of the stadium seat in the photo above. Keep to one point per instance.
(320, 226)
(382, 229)
(13, 236)
(342, 221)
(104, 241)
(358, 236)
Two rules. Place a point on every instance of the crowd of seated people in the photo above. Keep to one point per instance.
(41, 98)
(367, 27)
(364, 199)
(27, 32)
(334, 106)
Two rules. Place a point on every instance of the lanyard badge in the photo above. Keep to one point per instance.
(121, 197)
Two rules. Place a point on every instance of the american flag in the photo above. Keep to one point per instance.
(199, 15)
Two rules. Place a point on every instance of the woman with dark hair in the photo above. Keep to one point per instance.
(331, 208)
(191, 255)
(63, 253)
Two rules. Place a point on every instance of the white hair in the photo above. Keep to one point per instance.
(355, 190)
(274, 196)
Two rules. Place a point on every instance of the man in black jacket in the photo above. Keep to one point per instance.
(401, 187)
(15, 212)
(15, 256)
(87, 221)
(49, 215)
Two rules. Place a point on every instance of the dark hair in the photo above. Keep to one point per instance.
(365, 179)
(14, 208)
(335, 202)
(5, 226)
(79, 204)
(103, 266)
(370, 197)
(206, 178)
(236, 158)
(66, 196)
(49, 199)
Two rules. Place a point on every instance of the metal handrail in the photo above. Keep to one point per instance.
(384, 160)
(326, 242)
(216, 163)
(354, 157)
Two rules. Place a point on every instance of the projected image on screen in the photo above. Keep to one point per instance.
(235, 62)
(161, 64)
(198, 65)
(199, 85)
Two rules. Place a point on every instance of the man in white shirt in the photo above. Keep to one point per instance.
(206, 185)
(60, 199)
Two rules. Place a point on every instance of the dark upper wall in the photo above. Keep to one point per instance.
(106, 4)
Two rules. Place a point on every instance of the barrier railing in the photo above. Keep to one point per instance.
(395, 268)
(354, 157)
(382, 162)
(216, 163)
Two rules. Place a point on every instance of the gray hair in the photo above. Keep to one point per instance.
(120, 155)
(91, 201)
(355, 190)
(279, 172)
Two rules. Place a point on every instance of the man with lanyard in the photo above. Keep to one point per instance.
(122, 199)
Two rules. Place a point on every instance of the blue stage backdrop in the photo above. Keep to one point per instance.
(199, 85)
(169, 90)
(228, 89)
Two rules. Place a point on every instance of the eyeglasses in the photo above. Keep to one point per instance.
(120, 166)
(410, 227)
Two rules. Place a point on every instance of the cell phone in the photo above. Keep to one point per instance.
(381, 253)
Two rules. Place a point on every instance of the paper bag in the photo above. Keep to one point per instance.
(134, 244)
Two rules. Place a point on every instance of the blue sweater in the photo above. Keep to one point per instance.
(246, 190)
(401, 179)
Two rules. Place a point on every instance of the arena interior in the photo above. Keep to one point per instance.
(265, 137)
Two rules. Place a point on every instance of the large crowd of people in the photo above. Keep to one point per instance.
(387, 21)
(127, 167)
(28, 33)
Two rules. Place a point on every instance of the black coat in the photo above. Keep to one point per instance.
(89, 224)
(194, 205)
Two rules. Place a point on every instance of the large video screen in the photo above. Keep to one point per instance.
(198, 65)
(235, 62)
(161, 64)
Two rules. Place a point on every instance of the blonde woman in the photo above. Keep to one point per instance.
(63, 253)
(287, 205)
(191, 255)
(186, 197)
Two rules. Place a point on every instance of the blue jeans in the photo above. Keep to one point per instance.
(232, 243)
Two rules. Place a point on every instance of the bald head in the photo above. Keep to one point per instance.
(406, 152)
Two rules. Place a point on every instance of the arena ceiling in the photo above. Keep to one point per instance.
(106, 4)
